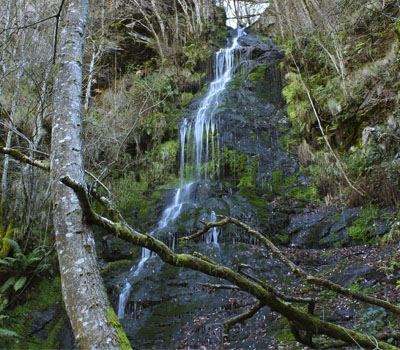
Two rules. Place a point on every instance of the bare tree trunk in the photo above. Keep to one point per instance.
(93, 320)
(278, 15)
(151, 28)
(187, 16)
(95, 55)
(160, 22)
(4, 177)
(4, 45)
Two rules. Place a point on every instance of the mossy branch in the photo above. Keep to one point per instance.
(298, 270)
(288, 298)
(25, 159)
(306, 322)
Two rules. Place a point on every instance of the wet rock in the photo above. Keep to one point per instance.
(67, 340)
(40, 320)
(325, 228)
(358, 273)
(116, 249)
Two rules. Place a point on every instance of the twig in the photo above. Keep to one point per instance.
(219, 286)
(323, 133)
(240, 318)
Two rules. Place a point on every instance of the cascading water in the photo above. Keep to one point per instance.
(204, 119)
(201, 124)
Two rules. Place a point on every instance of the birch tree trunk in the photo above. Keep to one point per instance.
(93, 320)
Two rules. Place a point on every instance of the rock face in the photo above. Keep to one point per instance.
(254, 182)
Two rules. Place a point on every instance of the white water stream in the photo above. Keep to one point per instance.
(202, 123)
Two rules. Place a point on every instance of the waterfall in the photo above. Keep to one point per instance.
(204, 118)
(213, 234)
(202, 123)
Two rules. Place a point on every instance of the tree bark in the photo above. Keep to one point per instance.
(93, 320)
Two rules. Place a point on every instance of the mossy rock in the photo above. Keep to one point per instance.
(41, 321)
(116, 267)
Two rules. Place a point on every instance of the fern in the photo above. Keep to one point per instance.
(21, 266)
(4, 332)
(7, 333)
(20, 283)
(11, 281)
(21, 262)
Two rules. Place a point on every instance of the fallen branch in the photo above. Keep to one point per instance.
(322, 282)
(219, 286)
(288, 298)
(240, 318)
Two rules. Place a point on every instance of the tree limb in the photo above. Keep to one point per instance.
(322, 282)
(25, 159)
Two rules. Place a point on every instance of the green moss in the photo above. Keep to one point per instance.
(277, 182)
(112, 320)
(45, 295)
(186, 98)
(266, 137)
(4, 244)
(306, 194)
(119, 265)
(363, 229)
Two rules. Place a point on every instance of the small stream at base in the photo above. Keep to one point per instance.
(198, 132)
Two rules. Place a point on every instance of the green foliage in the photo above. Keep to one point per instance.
(131, 196)
(5, 246)
(186, 98)
(373, 320)
(363, 229)
(394, 235)
(19, 267)
(42, 296)
(298, 106)
(196, 52)
(344, 72)
(258, 73)
(20, 262)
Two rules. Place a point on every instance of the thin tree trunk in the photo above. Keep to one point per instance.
(278, 15)
(160, 22)
(4, 46)
(93, 320)
(4, 176)
(187, 16)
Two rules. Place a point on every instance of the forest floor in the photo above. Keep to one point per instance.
(370, 269)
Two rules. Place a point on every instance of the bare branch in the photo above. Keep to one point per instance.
(219, 286)
(240, 318)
